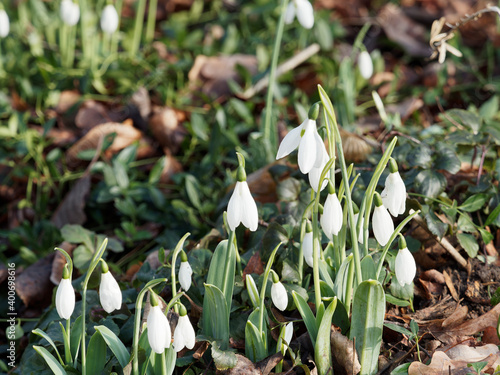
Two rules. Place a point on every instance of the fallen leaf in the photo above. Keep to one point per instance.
(254, 265)
(165, 126)
(141, 100)
(72, 208)
(67, 100)
(451, 287)
(92, 113)
(344, 354)
(33, 285)
(171, 167)
(458, 317)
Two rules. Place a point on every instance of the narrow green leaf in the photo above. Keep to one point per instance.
(322, 348)
(368, 268)
(40, 333)
(96, 354)
(115, 344)
(55, 366)
(396, 301)
(307, 316)
(255, 347)
(399, 329)
(216, 315)
(474, 202)
(368, 310)
(494, 216)
(341, 283)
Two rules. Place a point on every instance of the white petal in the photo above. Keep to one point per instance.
(110, 294)
(184, 335)
(365, 65)
(65, 299)
(321, 154)
(290, 13)
(185, 272)
(159, 335)
(288, 333)
(4, 24)
(305, 13)
(279, 296)
(290, 142)
(70, 12)
(332, 218)
(307, 248)
(405, 267)
(307, 147)
(383, 227)
(394, 194)
(109, 19)
(235, 208)
(250, 214)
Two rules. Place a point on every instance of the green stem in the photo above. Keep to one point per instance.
(83, 28)
(164, 362)
(151, 23)
(300, 264)
(349, 289)
(316, 250)
(67, 346)
(137, 323)
(264, 286)
(139, 21)
(270, 135)
(177, 250)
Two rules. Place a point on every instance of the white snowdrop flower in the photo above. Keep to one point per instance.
(360, 234)
(332, 218)
(184, 335)
(365, 64)
(69, 12)
(315, 173)
(65, 296)
(109, 19)
(279, 295)
(185, 272)
(288, 335)
(394, 193)
(4, 23)
(159, 335)
(242, 207)
(305, 137)
(304, 12)
(405, 264)
(110, 294)
(382, 224)
(253, 292)
(307, 245)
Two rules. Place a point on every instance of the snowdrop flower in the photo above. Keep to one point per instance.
(242, 207)
(4, 23)
(70, 12)
(305, 137)
(307, 245)
(304, 12)
(185, 272)
(184, 335)
(332, 218)
(159, 335)
(315, 173)
(109, 19)
(365, 65)
(394, 194)
(110, 294)
(253, 292)
(383, 227)
(405, 264)
(285, 337)
(65, 296)
(278, 293)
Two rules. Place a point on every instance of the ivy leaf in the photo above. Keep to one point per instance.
(288, 190)
(436, 226)
(465, 224)
(430, 183)
(448, 160)
(223, 359)
(474, 203)
(420, 157)
(469, 243)
(467, 118)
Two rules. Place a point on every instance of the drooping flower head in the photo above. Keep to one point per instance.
(184, 335)
(382, 224)
(65, 295)
(405, 264)
(69, 12)
(279, 295)
(109, 19)
(4, 23)
(305, 137)
(394, 193)
(356, 216)
(159, 334)
(365, 64)
(110, 294)
(242, 208)
(304, 12)
(332, 218)
(307, 244)
(185, 272)
(285, 338)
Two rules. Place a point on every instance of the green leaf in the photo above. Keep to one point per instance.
(82, 256)
(474, 202)
(465, 224)
(396, 301)
(436, 226)
(486, 236)
(307, 316)
(322, 348)
(341, 280)
(325, 270)
(404, 292)
(115, 344)
(420, 156)
(96, 354)
(467, 118)
(448, 160)
(368, 310)
(489, 109)
(288, 190)
(368, 268)
(223, 359)
(55, 366)
(156, 171)
(255, 347)
(40, 333)
(215, 315)
(120, 171)
(494, 217)
(76, 336)
(430, 183)
(76, 234)
(469, 243)
(192, 189)
(323, 34)
(399, 329)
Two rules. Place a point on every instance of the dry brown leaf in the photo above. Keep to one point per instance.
(243, 367)
(72, 208)
(126, 134)
(458, 316)
(67, 100)
(262, 185)
(344, 354)
(33, 285)
(254, 265)
(171, 167)
(92, 113)
(164, 125)
(451, 287)
(141, 100)
(59, 262)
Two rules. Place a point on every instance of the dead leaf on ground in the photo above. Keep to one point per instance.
(141, 100)
(72, 208)
(262, 185)
(67, 99)
(59, 262)
(171, 167)
(212, 74)
(93, 113)
(167, 130)
(344, 354)
(33, 285)
(254, 265)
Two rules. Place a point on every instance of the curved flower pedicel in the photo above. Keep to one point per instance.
(110, 294)
(65, 296)
(241, 208)
(405, 264)
(184, 335)
(159, 334)
(383, 227)
(304, 12)
(109, 19)
(394, 193)
(332, 218)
